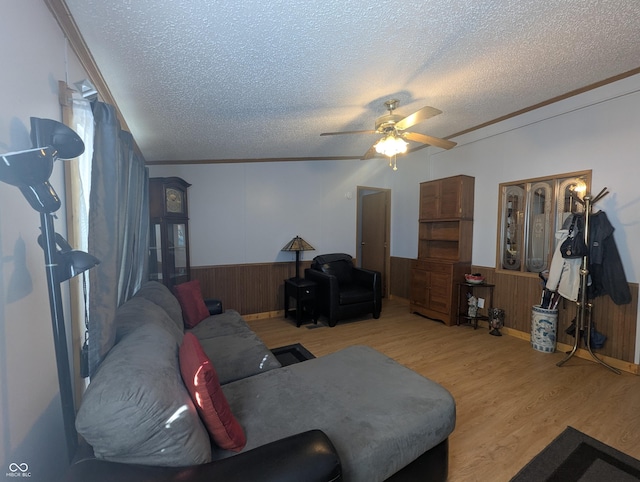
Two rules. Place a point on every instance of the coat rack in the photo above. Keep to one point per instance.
(583, 316)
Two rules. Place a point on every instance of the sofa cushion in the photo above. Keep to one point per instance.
(161, 295)
(233, 348)
(194, 309)
(201, 380)
(380, 415)
(136, 408)
(355, 294)
(227, 323)
(139, 311)
(239, 355)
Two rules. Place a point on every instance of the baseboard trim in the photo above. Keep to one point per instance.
(580, 352)
(265, 315)
(561, 347)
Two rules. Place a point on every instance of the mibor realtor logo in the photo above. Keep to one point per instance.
(18, 470)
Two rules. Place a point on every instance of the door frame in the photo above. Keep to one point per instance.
(361, 192)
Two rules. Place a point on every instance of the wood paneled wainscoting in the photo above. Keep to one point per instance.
(251, 289)
(517, 293)
(400, 277)
(257, 291)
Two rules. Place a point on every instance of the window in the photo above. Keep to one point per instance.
(530, 213)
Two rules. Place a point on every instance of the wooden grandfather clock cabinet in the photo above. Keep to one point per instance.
(445, 238)
(169, 231)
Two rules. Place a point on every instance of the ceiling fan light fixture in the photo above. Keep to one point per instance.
(391, 145)
(393, 129)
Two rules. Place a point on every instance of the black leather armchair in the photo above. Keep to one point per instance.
(344, 291)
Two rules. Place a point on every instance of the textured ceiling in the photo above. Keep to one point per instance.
(254, 79)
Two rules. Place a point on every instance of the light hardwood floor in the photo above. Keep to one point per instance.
(511, 400)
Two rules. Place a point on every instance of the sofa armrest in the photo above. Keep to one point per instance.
(308, 456)
(214, 306)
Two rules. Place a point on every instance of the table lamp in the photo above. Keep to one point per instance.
(298, 244)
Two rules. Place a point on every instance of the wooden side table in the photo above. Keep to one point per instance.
(463, 314)
(304, 292)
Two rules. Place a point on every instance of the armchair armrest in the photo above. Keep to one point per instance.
(328, 292)
(365, 277)
(308, 456)
(214, 306)
(372, 280)
(326, 282)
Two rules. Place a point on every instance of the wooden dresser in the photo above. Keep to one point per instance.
(445, 238)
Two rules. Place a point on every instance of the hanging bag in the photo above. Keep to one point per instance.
(574, 246)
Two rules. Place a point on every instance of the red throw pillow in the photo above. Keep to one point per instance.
(201, 380)
(193, 307)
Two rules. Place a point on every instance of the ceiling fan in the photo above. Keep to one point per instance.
(393, 129)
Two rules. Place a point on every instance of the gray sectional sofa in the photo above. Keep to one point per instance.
(380, 420)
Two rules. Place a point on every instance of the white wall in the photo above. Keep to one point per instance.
(246, 213)
(32, 56)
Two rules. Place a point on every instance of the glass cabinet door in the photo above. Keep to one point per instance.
(512, 227)
(571, 190)
(155, 253)
(177, 250)
(169, 252)
(539, 226)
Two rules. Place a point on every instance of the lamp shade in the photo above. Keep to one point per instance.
(32, 166)
(69, 262)
(391, 145)
(72, 263)
(50, 133)
(30, 170)
(298, 244)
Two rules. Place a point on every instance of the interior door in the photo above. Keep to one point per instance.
(374, 234)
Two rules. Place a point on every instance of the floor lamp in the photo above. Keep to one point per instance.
(30, 170)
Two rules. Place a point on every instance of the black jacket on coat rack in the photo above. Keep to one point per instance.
(605, 265)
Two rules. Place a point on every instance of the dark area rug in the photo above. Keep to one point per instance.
(575, 456)
(290, 354)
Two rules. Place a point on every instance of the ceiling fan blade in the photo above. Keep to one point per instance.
(370, 153)
(346, 132)
(425, 139)
(418, 116)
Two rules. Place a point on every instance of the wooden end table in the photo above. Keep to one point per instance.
(463, 317)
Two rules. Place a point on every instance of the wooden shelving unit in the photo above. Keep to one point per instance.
(445, 237)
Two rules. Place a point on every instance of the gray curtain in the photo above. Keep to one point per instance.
(118, 228)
